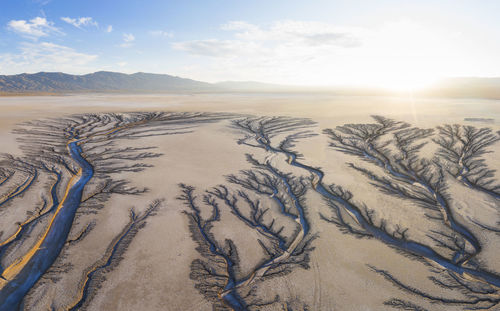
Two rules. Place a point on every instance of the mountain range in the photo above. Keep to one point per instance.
(55, 82)
(105, 81)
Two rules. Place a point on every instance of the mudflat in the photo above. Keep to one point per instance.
(249, 202)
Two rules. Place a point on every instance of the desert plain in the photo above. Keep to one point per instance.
(248, 201)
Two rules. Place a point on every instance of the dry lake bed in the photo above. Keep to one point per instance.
(249, 202)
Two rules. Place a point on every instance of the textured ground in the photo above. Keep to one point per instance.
(200, 202)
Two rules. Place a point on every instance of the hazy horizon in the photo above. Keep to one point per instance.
(257, 83)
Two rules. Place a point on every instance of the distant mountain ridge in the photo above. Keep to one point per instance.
(105, 81)
(99, 81)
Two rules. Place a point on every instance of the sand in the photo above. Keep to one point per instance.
(340, 271)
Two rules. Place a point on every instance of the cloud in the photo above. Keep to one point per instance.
(42, 2)
(109, 29)
(297, 32)
(80, 21)
(162, 33)
(215, 47)
(128, 37)
(34, 28)
(399, 52)
(239, 25)
(286, 39)
(292, 35)
(46, 56)
(128, 40)
(282, 51)
(339, 39)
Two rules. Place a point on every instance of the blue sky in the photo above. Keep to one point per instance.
(295, 42)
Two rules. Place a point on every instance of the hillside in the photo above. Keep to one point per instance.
(99, 81)
(105, 81)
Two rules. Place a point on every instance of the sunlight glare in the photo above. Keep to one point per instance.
(408, 56)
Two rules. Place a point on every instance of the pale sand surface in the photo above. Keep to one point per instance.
(154, 272)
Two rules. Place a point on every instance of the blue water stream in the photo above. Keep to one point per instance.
(13, 292)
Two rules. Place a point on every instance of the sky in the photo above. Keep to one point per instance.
(388, 43)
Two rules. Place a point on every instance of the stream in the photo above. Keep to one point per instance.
(22, 275)
(408, 246)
